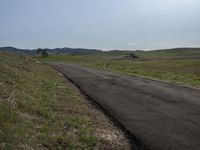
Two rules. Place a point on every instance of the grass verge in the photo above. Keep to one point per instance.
(38, 110)
(180, 71)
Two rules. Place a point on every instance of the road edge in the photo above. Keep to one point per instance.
(136, 143)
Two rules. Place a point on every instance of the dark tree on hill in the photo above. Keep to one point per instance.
(132, 55)
(39, 51)
(42, 52)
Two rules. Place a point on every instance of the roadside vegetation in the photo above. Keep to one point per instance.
(40, 110)
(177, 66)
(185, 72)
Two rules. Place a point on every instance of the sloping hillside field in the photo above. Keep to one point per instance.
(40, 110)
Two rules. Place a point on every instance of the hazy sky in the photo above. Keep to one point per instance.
(101, 24)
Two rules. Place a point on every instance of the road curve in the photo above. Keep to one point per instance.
(162, 115)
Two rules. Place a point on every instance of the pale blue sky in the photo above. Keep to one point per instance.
(101, 24)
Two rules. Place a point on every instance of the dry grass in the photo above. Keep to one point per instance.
(108, 135)
(40, 110)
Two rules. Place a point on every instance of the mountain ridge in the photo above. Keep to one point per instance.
(78, 51)
(65, 50)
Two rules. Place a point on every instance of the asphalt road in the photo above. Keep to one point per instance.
(162, 115)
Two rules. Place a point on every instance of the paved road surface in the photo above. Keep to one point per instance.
(163, 116)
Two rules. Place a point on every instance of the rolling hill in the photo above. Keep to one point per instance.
(65, 50)
(176, 53)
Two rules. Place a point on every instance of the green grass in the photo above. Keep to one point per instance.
(177, 53)
(185, 72)
(38, 110)
(179, 66)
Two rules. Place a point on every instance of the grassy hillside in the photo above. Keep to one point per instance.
(185, 72)
(175, 65)
(178, 53)
(38, 110)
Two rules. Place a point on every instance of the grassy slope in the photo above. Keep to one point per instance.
(185, 72)
(38, 110)
(177, 66)
(178, 53)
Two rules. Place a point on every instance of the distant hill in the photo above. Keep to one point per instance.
(65, 50)
(16, 50)
(73, 51)
(176, 53)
